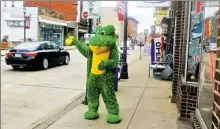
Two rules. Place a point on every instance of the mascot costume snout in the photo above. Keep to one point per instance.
(102, 60)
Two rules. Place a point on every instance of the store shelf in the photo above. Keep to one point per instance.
(213, 112)
(214, 126)
(217, 70)
(217, 93)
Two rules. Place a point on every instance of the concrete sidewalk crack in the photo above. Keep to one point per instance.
(44, 86)
(138, 104)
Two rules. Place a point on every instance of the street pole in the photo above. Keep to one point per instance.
(24, 26)
(140, 49)
(124, 73)
(90, 26)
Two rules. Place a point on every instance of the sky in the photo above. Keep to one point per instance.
(143, 15)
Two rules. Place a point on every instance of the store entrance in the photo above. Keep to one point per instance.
(53, 35)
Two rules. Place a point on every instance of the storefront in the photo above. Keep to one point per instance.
(82, 28)
(208, 103)
(51, 27)
(52, 33)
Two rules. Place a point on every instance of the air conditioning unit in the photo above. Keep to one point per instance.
(170, 13)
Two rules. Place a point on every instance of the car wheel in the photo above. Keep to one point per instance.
(45, 63)
(15, 67)
(67, 60)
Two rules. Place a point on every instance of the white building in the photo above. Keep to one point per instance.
(43, 26)
(12, 23)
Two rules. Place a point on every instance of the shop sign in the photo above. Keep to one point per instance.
(158, 20)
(157, 50)
(160, 12)
(92, 8)
(50, 13)
(15, 23)
(20, 23)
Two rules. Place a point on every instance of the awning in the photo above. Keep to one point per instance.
(53, 22)
(71, 24)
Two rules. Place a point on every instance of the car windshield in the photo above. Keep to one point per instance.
(27, 46)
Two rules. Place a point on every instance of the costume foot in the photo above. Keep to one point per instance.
(113, 119)
(91, 115)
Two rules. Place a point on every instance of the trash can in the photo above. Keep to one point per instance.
(116, 78)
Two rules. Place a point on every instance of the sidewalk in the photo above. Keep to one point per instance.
(3, 52)
(144, 104)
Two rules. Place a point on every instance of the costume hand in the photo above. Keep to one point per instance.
(102, 64)
(71, 40)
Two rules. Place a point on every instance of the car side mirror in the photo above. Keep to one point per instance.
(61, 48)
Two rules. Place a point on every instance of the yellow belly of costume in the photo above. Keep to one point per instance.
(96, 60)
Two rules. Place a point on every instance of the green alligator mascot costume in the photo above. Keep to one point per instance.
(102, 60)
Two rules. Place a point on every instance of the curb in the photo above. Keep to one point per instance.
(56, 114)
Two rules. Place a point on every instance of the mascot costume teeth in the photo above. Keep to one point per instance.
(102, 60)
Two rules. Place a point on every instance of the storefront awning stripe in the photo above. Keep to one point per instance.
(52, 22)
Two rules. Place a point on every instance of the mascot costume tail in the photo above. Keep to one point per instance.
(102, 60)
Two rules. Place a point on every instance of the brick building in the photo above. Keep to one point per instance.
(67, 8)
(132, 27)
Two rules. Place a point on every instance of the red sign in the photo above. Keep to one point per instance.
(27, 22)
(121, 10)
(198, 6)
(85, 14)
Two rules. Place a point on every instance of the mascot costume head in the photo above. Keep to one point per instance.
(102, 56)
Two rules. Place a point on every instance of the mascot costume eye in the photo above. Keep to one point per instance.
(102, 60)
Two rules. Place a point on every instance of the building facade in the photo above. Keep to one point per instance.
(132, 27)
(60, 12)
(112, 18)
(49, 21)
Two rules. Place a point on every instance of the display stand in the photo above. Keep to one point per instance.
(216, 105)
(207, 114)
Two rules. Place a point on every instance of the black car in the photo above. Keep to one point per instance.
(37, 54)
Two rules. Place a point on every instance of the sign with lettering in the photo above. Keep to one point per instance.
(92, 8)
(157, 50)
(13, 23)
(51, 13)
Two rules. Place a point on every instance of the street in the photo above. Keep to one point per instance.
(28, 95)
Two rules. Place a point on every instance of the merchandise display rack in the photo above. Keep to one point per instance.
(216, 105)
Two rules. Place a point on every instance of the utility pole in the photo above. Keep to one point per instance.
(124, 73)
(90, 26)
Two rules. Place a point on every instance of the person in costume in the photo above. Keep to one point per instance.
(102, 61)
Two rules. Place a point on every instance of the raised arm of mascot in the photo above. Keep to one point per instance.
(102, 56)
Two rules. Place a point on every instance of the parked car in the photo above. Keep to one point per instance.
(130, 45)
(37, 54)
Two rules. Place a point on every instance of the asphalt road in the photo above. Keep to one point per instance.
(64, 76)
(28, 95)
(70, 76)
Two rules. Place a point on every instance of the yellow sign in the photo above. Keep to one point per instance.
(158, 12)
(157, 20)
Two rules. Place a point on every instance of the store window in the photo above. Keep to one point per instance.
(207, 70)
